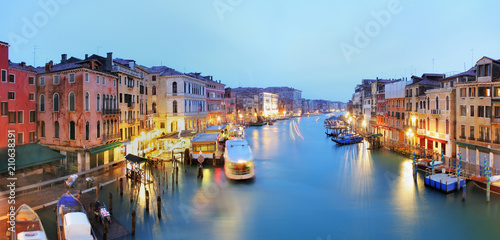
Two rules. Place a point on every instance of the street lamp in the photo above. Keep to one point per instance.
(364, 125)
(410, 135)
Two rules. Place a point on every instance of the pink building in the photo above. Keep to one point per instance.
(17, 100)
(78, 112)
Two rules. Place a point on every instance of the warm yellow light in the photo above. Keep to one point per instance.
(218, 118)
(241, 116)
(255, 114)
(364, 123)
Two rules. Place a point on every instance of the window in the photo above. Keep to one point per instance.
(12, 117)
(12, 96)
(4, 75)
(496, 92)
(32, 137)
(114, 82)
(462, 131)
(484, 134)
(437, 102)
(428, 103)
(97, 79)
(98, 102)
(20, 117)
(162, 125)
(32, 116)
(86, 77)
(71, 101)
(472, 110)
(471, 133)
(42, 103)
(154, 107)
(174, 87)
(174, 105)
(437, 125)
(484, 92)
(56, 129)
(447, 103)
(42, 129)
(98, 129)
(12, 78)
(31, 96)
(55, 80)
(5, 108)
(497, 135)
(87, 131)
(153, 91)
(119, 79)
(71, 78)
(20, 138)
(72, 130)
(472, 92)
(480, 111)
(487, 110)
(42, 81)
(497, 111)
(484, 70)
(55, 101)
(31, 80)
(103, 81)
(87, 103)
(447, 126)
(153, 78)
(121, 98)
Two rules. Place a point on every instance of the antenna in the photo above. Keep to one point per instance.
(34, 55)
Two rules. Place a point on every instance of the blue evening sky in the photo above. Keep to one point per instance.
(323, 48)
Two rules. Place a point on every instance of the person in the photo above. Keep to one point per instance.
(90, 181)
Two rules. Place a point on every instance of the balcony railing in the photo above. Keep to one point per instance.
(422, 111)
(131, 104)
(421, 131)
(495, 119)
(118, 68)
(472, 138)
(462, 137)
(110, 112)
(436, 111)
(109, 137)
(486, 140)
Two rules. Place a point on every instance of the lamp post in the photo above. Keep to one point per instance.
(364, 126)
(410, 135)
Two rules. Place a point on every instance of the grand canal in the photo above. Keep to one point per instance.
(306, 187)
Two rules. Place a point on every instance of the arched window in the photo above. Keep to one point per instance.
(55, 102)
(447, 103)
(437, 102)
(174, 106)
(98, 102)
(42, 129)
(72, 130)
(174, 87)
(154, 107)
(42, 103)
(428, 103)
(56, 129)
(71, 101)
(153, 91)
(98, 129)
(87, 131)
(87, 101)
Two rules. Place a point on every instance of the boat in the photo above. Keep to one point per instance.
(71, 180)
(256, 124)
(28, 225)
(444, 182)
(238, 157)
(494, 182)
(425, 164)
(72, 221)
(236, 132)
(270, 122)
(349, 138)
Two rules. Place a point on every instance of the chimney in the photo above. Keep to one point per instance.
(64, 57)
(86, 56)
(23, 64)
(48, 66)
(131, 65)
(109, 62)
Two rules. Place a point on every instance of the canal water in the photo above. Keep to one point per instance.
(307, 187)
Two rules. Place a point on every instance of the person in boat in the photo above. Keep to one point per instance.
(90, 181)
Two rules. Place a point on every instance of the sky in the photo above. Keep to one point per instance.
(321, 47)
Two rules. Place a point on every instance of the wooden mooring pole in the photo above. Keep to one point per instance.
(121, 186)
(110, 200)
(105, 230)
(133, 222)
(158, 202)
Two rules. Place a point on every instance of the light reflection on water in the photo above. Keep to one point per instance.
(308, 189)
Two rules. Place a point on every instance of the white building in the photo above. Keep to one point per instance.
(268, 104)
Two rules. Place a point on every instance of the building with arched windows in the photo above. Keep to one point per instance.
(180, 101)
(78, 111)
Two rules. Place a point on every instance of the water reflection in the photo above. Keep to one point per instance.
(357, 172)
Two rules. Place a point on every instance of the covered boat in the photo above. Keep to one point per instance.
(238, 160)
(28, 225)
(494, 182)
(349, 138)
(72, 221)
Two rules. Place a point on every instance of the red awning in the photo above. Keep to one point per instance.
(436, 140)
(420, 136)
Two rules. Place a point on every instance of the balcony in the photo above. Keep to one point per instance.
(110, 137)
(118, 68)
(131, 120)
(110, 112)
(436, 111)
(471, 138)
(130, 86)
(422, 111)
(485, 140)
(421, 132)
(131, 104)
(495, 119)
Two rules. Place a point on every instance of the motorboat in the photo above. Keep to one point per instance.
(28, 225)
(238, 160)
(425, 164)
(482, 182)
(72, 221)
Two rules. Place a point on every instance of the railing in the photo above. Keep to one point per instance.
(421, 132)
(131, 120)
(436, 111)
(110, 112)
(471, 138)
(118, 68)
(484, 140)
(108, 137)
(422, 111)
(495, 119)
(462, 137)
(130, 86)
(131, 104)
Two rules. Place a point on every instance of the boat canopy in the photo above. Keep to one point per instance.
(237, 150)
(77, 226)
(205, 137)
(495, 178)
(31, 235)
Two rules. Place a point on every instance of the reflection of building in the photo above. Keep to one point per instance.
(268, 104)
(77, 110)
(181, 100)
(18, 100)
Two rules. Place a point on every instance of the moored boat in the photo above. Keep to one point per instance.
(256, 124)
(238, 160)
(72, 221)
(494, 182)
(425, 164)
(349, 138)
(28, 225)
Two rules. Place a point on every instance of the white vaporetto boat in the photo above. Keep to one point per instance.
(238, 160)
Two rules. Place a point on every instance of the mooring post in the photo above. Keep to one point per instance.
(133, 222)
(213, 158)
(97, 192)
(158, 202)
(463, 191)
(110, 200)
(131, 193)
(105, 230)
(147, 200)
(121, 186)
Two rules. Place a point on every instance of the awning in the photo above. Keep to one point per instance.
(29, 155)
(472, 146)
(377, 135)
(135, 159)
(436, 140)
(104, 148)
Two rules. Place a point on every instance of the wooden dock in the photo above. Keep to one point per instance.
(115, 229)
